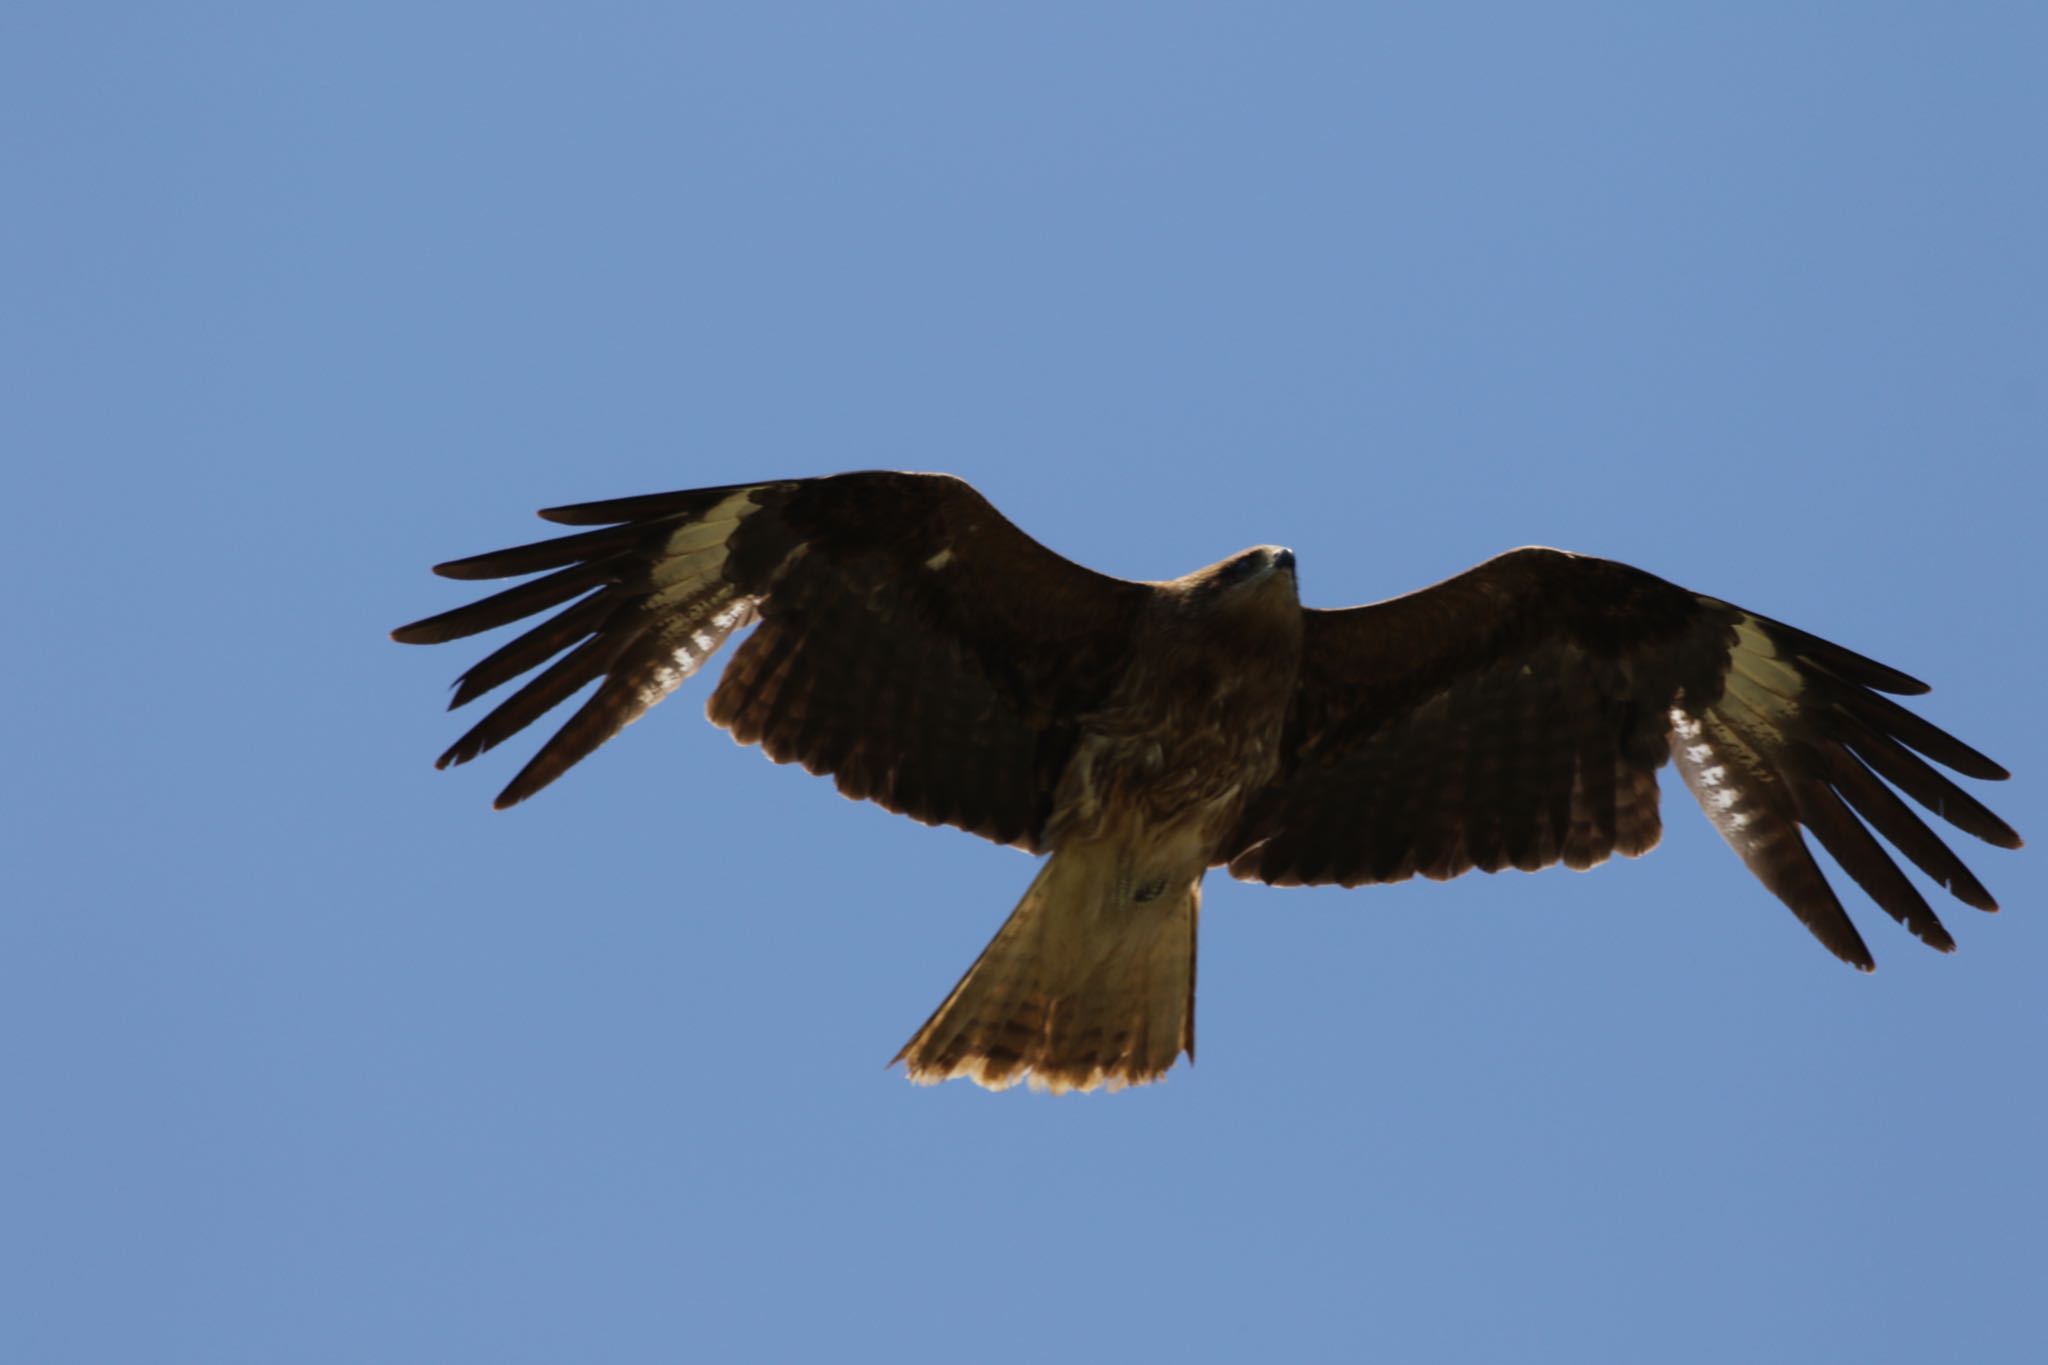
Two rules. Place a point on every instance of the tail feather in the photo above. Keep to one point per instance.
(1084, 986)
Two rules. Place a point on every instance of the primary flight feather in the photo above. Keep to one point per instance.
(931, 657)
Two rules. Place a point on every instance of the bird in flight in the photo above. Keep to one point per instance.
(926, 654)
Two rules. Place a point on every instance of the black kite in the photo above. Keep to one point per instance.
(931, 657)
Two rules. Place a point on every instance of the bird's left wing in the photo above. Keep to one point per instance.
(913, 643)
(1515, 716)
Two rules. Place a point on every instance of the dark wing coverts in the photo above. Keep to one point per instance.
(913, 643)
(1515, 716)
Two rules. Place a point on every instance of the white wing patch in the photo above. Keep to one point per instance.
(1721, 749)
(1700, 764)
(692, 638)
(697, 608)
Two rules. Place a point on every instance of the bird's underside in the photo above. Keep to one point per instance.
(929, 656)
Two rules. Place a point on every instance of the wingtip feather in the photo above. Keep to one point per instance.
(458, 569)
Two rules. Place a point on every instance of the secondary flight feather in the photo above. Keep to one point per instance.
(918, 648)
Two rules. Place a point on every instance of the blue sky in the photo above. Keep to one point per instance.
(309, 1056)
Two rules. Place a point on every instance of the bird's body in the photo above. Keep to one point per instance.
(1193, 725)
(928, 655)
(1092, 978)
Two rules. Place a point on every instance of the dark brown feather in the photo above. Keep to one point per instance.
(520, 560)
(1846, 664)
(532, 649)
(687, 504)
(503, 608)
(1907, 832)
(547, 690)
(1911, 775)
(1850, 845)
(1889, 718)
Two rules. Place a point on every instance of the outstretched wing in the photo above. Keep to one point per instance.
(1516, 715)
(913, 643)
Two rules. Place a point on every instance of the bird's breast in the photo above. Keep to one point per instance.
(1183, 743)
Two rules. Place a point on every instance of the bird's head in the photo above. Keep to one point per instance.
(1262, 575)
(1259, 566)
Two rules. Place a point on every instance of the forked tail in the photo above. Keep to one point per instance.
(1090, 982)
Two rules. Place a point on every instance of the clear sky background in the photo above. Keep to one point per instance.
(307, 1055)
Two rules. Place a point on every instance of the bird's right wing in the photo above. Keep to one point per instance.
(913, 643)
